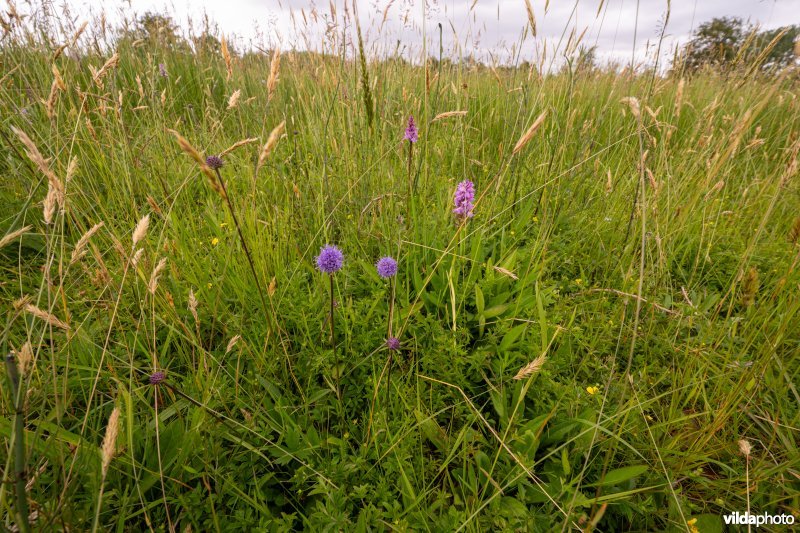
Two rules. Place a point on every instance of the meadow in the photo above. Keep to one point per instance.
(610, 342)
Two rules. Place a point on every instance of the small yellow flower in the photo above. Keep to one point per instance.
(579, 281)
(692, 527)
(592, 390)
(223, 224)
(214, 241)
(210, 285)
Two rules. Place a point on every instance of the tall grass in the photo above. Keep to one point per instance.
(586, 352)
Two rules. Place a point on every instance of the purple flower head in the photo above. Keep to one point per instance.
(330, 259)
(463, 199)
(411, 131)
(162, 70)
(157, 377)
(387, 267)
(393, 343)
(214, 162)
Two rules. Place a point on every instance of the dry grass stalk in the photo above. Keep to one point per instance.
(274, 70)
(14, 235)
(528, 135)
(794, 233)
(153, 284)
(49, 205)
(57, 78)
(47, 317)
(272, 140)
(679, 97)
(98, 75)
(531, 18)
(745, 447)
(633, 103)
(238, 144)
(72, 169)
(716, 188)
(140, 231)
(41, 163)
(506, 272)
(80, 247)
(448, 114)
(531, 368)
(24, 358)
(233, 101)
(226, 55)
(110, 440)
(192, 152)
(137, 256)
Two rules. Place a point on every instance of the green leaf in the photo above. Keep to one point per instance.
(511, 337)
(619, 475)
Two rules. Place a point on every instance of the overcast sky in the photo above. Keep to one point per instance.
(485, 28)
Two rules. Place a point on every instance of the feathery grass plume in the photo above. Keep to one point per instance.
(237, 144)
(272, 140)
(745, 447)
(204, 168)
(137, 256)
(794, 233)
(233, 101)
(110, 440)
(448, 114)
(80, 247)
(369, 106)
(791, 168)
(505, 272)
(47, 317)
(72, 169)
(50, 103)
(49, 205)
(232, 343)
(97, 76)
(750, 287)
(140, 231)
(679, 97)
(192, 305)
(41, 163)
(531, 368)
(57, 78)
(274, 71)
(10, 237)
(716, 188)
(528, 135)
(633, 103)
(226, 55)
(531, 18)
(24, 358)
(152, 285)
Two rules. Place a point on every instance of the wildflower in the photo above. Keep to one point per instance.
(387, 267)
(330, 259)
(592, 390)
(214, 162)
(214, 241)
(393, 343)
(693, 525)
(463, 199)
(157, 377)
(411, 135)
(162, 70)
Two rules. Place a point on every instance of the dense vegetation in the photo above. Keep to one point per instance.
(633, 259)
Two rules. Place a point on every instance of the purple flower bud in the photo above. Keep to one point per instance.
(162, 70)
(463, 199)
(214, 162)
(157, 377)
(411, 131)
(393, 343)
(387, 267)
(330, 259)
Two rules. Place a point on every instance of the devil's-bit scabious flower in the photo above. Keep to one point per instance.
(162, 70)
(387, 267)
(330, 259)
(157, 377)
(411, 131)
(393, 343)
(214, 162)
(463, 199)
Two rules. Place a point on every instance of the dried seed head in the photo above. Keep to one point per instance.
(448, 114)
(110, 440)
(49, 205)
(528, 135)
(12, 236)
(233, 101)
(226, 55)
(24, 358)
(745, 447)
(140, 231)
(232, 343)
(107, 66)
(531, 368)
(193, 306)
(633, 103)
(204, 168)
(137, 256)
(153, 284)
(750, 287)
(236, 145)
(41, 163)
(794, 233)
(72, 168)
(273, 139)
(274, 68)
(47, 317)
(80, 247)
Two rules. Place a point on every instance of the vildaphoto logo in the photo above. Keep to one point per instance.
(749, 519)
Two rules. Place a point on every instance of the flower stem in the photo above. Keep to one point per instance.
(19, 445)
(410, 181)
(333, 344)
